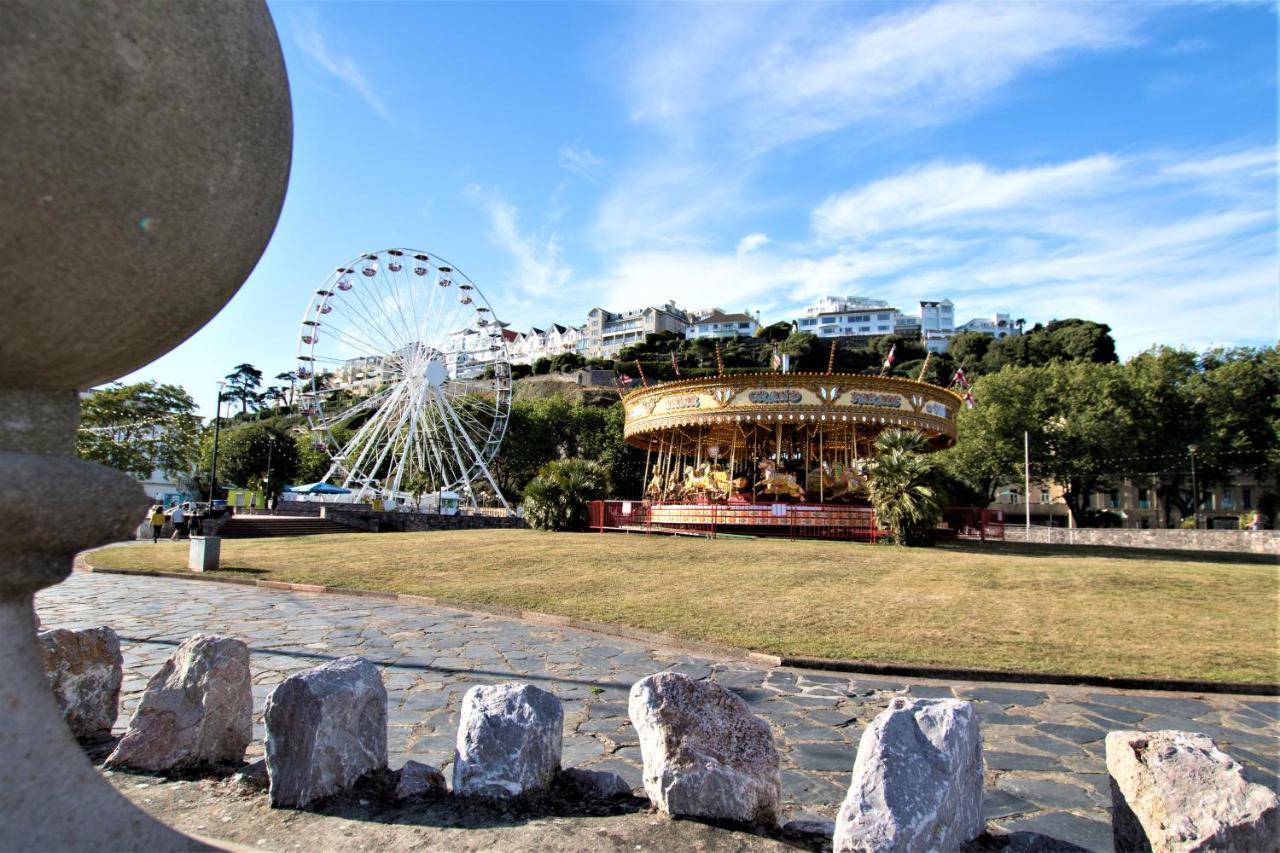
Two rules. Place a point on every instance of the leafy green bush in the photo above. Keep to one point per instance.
(558, 498)
(904, 489)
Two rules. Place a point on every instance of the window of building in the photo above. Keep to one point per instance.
(1044, 496)
(808, 322)
(827, 321)
(744, 325)
(883, 317)
(1144, 498)
(864, 328)
(1228, 500)
(1246, 497)
(1113, 499)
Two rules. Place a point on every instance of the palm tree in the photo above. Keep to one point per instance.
(558, 498)
(902, 486)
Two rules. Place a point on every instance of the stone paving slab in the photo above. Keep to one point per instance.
(1043, 743)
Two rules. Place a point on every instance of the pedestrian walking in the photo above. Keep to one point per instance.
(179, 517)
(157, 522)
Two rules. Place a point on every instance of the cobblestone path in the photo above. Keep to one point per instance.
(1043, 744)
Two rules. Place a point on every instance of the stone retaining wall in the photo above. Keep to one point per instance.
(409, 522)
(1237, 541)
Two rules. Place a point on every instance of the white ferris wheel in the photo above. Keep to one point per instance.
(406, 379)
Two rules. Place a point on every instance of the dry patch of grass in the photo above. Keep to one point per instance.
(999, 607)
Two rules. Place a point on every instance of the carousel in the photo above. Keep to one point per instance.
(766, 450)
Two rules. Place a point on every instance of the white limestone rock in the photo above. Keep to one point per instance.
(510, 739)
(85, 669)
(705, 754)
(326, 727)
(197, 710)
(416, 779)
(1173, 790)
(917, 780)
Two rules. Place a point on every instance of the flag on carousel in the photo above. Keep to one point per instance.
(625, 380)
(675, 364)
(959, 378)
(969, 401)
(888, 360)
(776, 360)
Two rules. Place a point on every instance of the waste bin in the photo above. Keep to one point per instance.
(204, 553)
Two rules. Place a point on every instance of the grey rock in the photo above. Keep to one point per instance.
(917, 780)
(820, 828)
(252, 775)
(417, 780)
(705, 754)
(85, 669)
(326, 727)
(197, 710)
(510, 740)
(1175, 790)
(595, 784)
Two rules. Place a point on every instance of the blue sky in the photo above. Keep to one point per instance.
(1109, 161)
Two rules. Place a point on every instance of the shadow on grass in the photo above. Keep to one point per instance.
(1068, 552)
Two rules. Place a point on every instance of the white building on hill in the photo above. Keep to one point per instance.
(717, 324)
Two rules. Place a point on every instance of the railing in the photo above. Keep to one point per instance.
(967, 522)
(793, 521)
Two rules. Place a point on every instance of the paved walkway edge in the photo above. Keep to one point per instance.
(666, 641)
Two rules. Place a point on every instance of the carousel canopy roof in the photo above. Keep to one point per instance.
(841, 407)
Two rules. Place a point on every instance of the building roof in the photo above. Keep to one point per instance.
(718, 316)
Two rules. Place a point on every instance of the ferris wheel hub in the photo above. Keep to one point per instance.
(437, 372)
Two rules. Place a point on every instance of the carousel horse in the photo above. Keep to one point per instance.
(838, 480)
(773, 482)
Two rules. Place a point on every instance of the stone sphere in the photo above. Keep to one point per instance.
(144, 160)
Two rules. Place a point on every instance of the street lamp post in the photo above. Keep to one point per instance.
(1195, 493)
(213, 467)
(266, 488)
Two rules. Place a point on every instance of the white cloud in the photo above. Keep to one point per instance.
(1165, 248)
(538, 266)
(581, 162)
(343, 67)
(949, 192)
(774, 75)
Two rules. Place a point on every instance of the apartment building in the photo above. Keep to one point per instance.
(1138, 505)
(848, 316)
(606, 332)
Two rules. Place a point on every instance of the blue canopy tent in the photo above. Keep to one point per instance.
(317, 489)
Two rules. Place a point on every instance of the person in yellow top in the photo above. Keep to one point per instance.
(157, 522)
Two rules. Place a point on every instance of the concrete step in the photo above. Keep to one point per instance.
(249, 527)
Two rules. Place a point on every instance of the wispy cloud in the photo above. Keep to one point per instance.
(343, 67)
(580, 161)
(1163, 247)
(775, 75)
(945, 192)
(538, 268)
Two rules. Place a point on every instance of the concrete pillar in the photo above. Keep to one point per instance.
(144, 160)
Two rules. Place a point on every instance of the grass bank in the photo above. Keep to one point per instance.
(1009, 607)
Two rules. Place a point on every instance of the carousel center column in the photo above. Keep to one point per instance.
(145, 158)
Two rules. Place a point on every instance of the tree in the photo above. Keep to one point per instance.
(903, 487)
(290, 376)
(968, 349)
(139, 428)
(774, 332)
(1080, 419)
(558, 498)
(246, 451)
(542, 366)
(243, 384)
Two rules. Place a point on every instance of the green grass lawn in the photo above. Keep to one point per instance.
(1071, 610)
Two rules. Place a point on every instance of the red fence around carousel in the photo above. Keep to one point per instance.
(793, 521)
